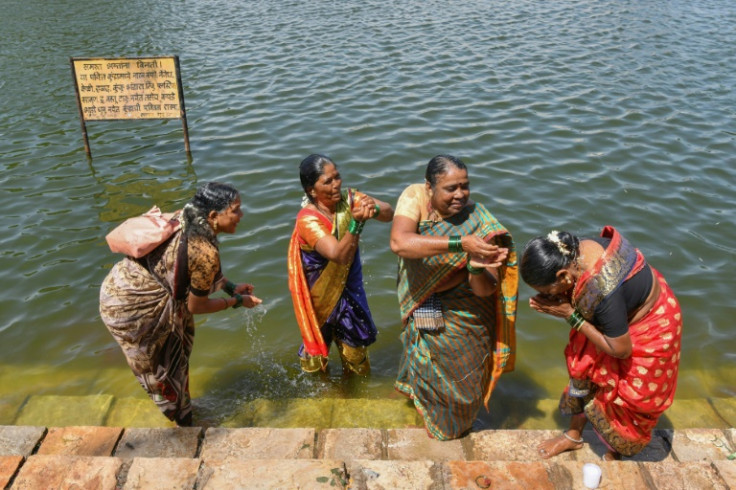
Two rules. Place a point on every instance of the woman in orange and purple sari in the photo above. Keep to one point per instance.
(624, 347)
(457, 290)
(325, 273)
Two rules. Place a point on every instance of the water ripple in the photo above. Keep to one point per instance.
(569, 115)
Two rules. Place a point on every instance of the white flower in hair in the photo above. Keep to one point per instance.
(554, 237)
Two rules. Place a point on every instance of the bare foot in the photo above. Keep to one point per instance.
(611, 456)
(557, 445)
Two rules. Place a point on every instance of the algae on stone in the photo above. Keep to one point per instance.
(136, 412)
(60, 411)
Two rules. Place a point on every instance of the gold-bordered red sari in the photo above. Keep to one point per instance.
(625, 397)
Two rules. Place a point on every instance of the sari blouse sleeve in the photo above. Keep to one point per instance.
(412, 202)
(610, 315)
(357, 196)
(311, 229)
(204, 266)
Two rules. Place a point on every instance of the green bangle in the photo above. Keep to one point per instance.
(378, 210)
(474, 270)
(575, 320)
(455, 244)
(229, 287)
(355, 227)
(238, 300)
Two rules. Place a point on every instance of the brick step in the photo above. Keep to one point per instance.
(92, 457)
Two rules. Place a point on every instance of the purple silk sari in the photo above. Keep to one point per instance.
(351, 321)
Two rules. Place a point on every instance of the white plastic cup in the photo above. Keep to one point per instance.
(591, 475)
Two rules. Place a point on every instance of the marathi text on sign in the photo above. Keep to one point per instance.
(130, 88)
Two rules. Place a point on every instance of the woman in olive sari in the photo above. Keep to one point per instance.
(325, 273)
(624, 345)
(148, 303)
(457, 290)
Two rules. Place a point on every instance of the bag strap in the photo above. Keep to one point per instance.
(181, 268)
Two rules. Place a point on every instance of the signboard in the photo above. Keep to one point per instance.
(128, 88)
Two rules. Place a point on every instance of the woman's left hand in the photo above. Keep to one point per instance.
(244, 288)
(249, 301)
(551, 305)
(495, 259)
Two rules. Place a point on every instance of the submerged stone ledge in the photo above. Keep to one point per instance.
(324, 413)
(225, 458)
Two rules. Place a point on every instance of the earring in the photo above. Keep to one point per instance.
(214, 225)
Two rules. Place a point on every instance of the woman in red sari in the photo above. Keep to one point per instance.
(624, 347)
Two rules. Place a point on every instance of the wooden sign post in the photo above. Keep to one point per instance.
(128, 88)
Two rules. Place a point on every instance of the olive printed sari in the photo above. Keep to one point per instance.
(143, 305)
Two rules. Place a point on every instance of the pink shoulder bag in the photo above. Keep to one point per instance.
(139, 235)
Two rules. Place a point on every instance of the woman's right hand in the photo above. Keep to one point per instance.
(363, 209)
(557, 306)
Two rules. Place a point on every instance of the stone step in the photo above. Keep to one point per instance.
(221, 458)
(99, 473)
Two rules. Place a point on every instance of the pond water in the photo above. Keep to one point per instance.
(569, 115)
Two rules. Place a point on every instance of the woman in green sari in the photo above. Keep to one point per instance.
(457, 288)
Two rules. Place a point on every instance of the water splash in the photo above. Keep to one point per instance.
(253, 317)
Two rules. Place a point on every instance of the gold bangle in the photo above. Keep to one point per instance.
(576, 321)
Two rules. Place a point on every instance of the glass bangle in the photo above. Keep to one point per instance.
(455, 244)
(229, 287)
(474, 270)
(575, 320)
(356, 227)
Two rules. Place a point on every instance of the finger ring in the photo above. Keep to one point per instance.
(542, 451)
